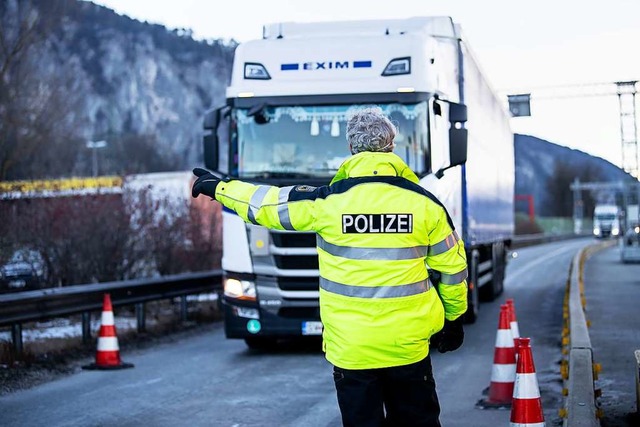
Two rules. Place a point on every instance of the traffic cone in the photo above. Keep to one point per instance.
(108, 352)
(513, 322)
(503, 372)
(526, 410)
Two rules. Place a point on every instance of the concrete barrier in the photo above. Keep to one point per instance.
(580, 408)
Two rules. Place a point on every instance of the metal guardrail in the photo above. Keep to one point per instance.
(40, 305)
(523, 240)
(31, 306)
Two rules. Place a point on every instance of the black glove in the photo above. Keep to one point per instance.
(205, 184)
(451, 336)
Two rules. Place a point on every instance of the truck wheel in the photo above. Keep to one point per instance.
(473, 297)
(499, 262)
(494, 287)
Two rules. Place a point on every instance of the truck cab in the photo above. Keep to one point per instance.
(290, 96)
(606, 221)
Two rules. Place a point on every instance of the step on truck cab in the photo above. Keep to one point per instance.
(283, 123)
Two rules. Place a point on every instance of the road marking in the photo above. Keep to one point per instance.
(512, 275)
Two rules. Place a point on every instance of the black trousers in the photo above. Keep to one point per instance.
(402, 396)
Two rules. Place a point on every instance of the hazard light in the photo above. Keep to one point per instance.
(398, 66)
(253, 71)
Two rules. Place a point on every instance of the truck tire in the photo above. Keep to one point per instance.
(499, 256)
(494, 287)
(473, 296)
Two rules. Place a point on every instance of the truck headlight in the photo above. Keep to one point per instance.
(596, 231)
(615, 231)
(240, 289)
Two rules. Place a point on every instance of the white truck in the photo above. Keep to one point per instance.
(606, 220)
(290, 95)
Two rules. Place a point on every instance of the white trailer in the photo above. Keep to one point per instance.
(290, 95)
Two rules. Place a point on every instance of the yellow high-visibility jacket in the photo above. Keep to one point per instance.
(377, 231)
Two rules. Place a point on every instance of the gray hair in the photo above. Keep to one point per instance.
(369, 129)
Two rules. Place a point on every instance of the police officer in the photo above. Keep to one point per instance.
(379, 233)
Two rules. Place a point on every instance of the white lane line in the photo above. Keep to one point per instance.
(511, 277)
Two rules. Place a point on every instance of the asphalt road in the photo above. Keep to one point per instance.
(206, 380)
(612, 292)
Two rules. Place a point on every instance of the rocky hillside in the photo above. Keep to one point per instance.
(125, 77)
(545, 170)
(110, 77)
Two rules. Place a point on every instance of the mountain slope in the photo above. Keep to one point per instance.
(541, 166)
(133, 78)
(113, 76)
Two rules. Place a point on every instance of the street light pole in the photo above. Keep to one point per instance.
(94, 145)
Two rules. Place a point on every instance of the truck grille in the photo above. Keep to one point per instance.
(294, 240)
(293, 262)
(298, 283)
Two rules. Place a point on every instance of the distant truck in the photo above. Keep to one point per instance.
(284, 121)
(606, 220)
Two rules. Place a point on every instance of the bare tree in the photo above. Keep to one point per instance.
(134, 154)
(38, 101)
(559, 194)
(179, 235)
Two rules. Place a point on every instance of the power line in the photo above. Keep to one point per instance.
(519, 105)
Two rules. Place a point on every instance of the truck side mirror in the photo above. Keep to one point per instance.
(458, 146)
(458, 136)
(457, 113)
(210, 138)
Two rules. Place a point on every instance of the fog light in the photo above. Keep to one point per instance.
(247, 313)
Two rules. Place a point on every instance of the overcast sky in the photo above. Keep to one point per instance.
(521, 45)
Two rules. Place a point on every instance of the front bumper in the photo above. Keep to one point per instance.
(263, 323)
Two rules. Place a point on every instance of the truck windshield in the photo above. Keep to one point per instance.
(606, 217)
(309, 141)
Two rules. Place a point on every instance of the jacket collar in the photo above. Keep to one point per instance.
(374, 164)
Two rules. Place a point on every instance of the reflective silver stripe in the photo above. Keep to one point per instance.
(453, 279)
(256, 202)
(443, 246)
(383, 254)
(283, 208)
(375, 291)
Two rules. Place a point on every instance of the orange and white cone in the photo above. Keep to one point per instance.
(526, 410)
(503, 372)
(515, 331)
(108, 352)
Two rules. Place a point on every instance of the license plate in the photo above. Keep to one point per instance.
(311, 328)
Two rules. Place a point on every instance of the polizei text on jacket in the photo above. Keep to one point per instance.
(377, 223)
